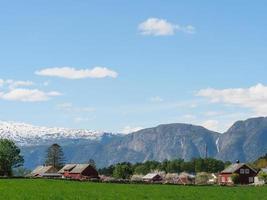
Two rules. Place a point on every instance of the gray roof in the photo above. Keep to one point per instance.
(234, 167)
(41, 170)
(150, 176)
(185, 174)
(79, 168)
(67, 167)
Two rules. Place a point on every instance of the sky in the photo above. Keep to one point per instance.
(120, 66)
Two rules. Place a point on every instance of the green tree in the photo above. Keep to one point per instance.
(235, 178)
(141, 169)
(107, 171)
(55, 156)
(21, 172)
(92, 163)
(202, 178)
(123, 171)
(263, 176)
(9, 157)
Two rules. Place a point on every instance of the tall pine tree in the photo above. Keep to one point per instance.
(10, 157)
(55, 156)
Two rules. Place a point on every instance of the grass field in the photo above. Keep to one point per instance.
(52, 189)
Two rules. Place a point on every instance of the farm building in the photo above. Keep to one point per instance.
(45, 172)
(152, 177)
(186, 179)
(78, 171)
(245, 172)
(213, 179)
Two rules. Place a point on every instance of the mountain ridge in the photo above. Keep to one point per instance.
(245, 140)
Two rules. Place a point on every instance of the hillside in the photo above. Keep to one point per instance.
(245, 141)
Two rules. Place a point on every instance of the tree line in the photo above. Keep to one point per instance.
(11, 161)
(126, 170)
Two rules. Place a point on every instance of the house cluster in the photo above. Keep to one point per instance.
(179, 179)
(69, 171)
(246, 175)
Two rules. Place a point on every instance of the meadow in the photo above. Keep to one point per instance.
(57, 189)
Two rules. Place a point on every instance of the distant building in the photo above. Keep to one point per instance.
(152, 177)
(186, 179)
(45, 172)
(213, 179)
(257, 180)
(78, 171)
(245, 172)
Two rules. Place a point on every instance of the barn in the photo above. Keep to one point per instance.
(152, 177)
(79, 171)
(245, 172)
(45, 172)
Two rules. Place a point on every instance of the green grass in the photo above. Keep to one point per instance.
(53, 189)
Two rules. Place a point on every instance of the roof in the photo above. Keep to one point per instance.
(41, 170)
(51, 175)
(234, 167)
(150, 176)
(79, 168)
(184, 174)
(67, 167)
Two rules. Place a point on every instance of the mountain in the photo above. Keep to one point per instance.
(26, 134)
(245, 141)
(164, 142)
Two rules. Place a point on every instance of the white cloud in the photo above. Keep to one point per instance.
(72, 73)
(69, 107)
(129, 129)
(27, 95)
(1, 82)
(211, 125)
(12, 84)
(161, 27)
(15, 84)
(156, 99)
(189, 117)
(82, 119)
(254, 97)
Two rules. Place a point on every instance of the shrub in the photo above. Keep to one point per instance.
(235, 178)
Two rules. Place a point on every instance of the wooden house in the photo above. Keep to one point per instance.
(152, 177)
(245, 172)
(78, 171)
(45, 172)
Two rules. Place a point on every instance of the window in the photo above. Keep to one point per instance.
(223, 179)
(242, 171)
(247, 171)
(251, 179)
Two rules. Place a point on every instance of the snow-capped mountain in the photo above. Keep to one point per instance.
(26, 134)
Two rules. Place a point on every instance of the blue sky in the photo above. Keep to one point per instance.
(123, 65)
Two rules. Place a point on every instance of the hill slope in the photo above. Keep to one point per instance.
(245, 141)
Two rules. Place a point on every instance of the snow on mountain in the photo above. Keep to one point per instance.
(26, 134)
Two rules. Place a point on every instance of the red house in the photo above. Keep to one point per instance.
(78, 171)
(245, 172)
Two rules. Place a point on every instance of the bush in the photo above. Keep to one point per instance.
(202, 178)
(235, 178)
(263, 176)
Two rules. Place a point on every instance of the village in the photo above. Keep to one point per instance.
(236, 173)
